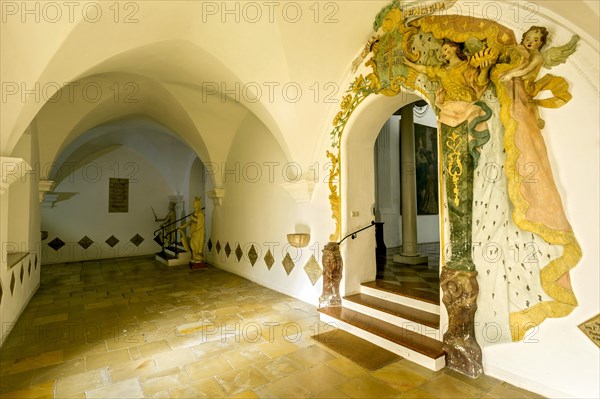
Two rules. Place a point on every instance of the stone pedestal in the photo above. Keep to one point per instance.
(197, 265)
(332, 275)
(460, 290)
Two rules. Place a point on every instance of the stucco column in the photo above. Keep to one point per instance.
(408, 186)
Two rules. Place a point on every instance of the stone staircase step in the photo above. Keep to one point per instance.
(418, 299)
(415, 347)
(395, 313)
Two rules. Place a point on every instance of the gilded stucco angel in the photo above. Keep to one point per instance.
(532, 61)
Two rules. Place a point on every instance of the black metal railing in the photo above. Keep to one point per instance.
(353, 235)
(160, 234)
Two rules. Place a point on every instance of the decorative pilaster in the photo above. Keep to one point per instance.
(460, 290)
(332, 275)
(45, 186)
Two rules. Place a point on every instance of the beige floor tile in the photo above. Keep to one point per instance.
(400, 376)
(207, 368)
(245, 395)
(483, 382)
(277, 348)
(132, 368)
(124, 389)
(41, 391)
(502, 391)
(107, 359)
(73, 352)
(32, 362)
(445, 386)
(320, 378)
(311, 356)
(237, 381)
(346, 367)
(208, 388)
(16, 382)
(278, 368)
(287, 387)
(244, 357)
(153, 348)
(55, 372)
(178, 358)
(75, 385)
(368, 387)
(163, 381)
(331, 394)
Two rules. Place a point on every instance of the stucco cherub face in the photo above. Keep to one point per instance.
(448, 51)
(532, 40)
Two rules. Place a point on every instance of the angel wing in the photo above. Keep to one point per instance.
(558, 55)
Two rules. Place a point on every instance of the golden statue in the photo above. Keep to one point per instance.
(194, 244)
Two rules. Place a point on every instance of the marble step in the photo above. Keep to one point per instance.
(417, 299)
(183, 258)
(416, 320)
(414, 347)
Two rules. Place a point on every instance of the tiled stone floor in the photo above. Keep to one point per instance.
(131, 328)
(423, 277)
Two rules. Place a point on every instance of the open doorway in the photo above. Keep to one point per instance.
(407, 202)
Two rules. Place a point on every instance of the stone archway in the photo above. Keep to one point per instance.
(468, 90)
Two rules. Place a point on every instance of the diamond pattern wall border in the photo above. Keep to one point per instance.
(209, 245)
(313, 270)
(56, 244)
(252, 255)
(227, 249)
(12, 283)
(269, 260)
(288, 263)
(218, 247)
(85, 242)
(137, 240)
(112, 241)
(238, 252)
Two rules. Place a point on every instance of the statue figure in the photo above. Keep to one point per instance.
(332, 275)
(195, 243)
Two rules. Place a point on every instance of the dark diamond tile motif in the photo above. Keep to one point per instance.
(56, 244)
(252, 255)
(21, 273)
(209, 245)
(35, 264)
(12, 283)
(137, 240)
(0, 292)
(238, 252)
(218, 247)
(269, 260)
(227, 249)
(288, 263)
(85, 242)
(112, 241)
(29, 268)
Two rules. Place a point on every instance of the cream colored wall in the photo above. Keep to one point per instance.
(257, 210)
(20, 215)
(86, 212)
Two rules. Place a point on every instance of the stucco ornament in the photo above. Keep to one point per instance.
(512, 235)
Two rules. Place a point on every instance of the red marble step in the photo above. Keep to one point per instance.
(419, 343)
(396, 309)
(424, 296)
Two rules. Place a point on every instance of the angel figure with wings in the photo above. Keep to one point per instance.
(532, 60)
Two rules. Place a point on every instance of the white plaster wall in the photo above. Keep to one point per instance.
(257, 211)
(20, 233)
(86, 212)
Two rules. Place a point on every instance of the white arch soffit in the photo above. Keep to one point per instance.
(215, 71)
(108, 111)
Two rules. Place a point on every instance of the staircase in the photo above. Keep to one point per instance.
(402, 321)
(174, 255)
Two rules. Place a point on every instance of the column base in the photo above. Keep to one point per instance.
(460, 290)
(411, 260)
